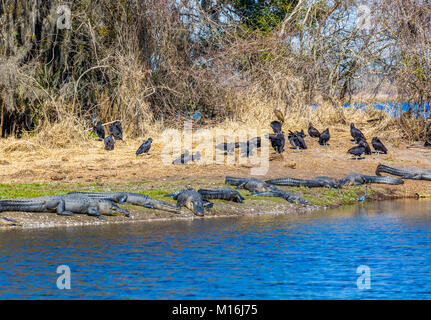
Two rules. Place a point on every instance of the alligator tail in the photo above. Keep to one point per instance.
(213, 194)
(233, 181)
(26, 206)
(162, 205)
(383, 180)
(293, 182)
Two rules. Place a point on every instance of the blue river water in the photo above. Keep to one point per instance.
(394, 109)
(312, 256)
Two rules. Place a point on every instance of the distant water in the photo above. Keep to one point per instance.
(313, 256)
(393, 108)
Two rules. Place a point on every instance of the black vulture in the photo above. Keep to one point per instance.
(296, 140)
(312, 131)
(276, 126)
(360, 149)
(145, 147)
(277, 141)
(356, 133)
(378, 146)
(116, 130)
(226, 146)
(109, 143)
(324, 137)
(98, 130)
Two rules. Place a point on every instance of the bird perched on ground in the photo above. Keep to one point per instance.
(227, 147)
(378, 146)
(279, 114)
(296, 140)
(276, 126)
(356, 133)
(312, 131)
(98, 129)
(277, 141)
(301, 133)
(187, 157)
(247, 147)
(324, 137)
(109, 143)
(116, 130)
(145, 147)
(360, 149)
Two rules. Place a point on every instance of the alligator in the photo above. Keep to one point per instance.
(360, 179)
(136, 199)
(224, 193)
(192, 200)
(251, 184)
(311, 183)
(65, 205)
(291, 197)
(415, 174)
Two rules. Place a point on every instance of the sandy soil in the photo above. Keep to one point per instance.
(94, 165)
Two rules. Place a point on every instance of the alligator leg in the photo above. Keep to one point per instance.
(94, 212)
(242, 184)
(208, 205)
(61, 211)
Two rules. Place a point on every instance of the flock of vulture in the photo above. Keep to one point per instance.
(296, 139)
(116, 132)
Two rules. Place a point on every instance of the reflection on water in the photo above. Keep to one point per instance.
(314, 256)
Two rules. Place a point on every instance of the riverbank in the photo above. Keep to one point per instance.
(28, 171)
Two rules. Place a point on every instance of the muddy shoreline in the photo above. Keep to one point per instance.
(31, 173)
(253, 206)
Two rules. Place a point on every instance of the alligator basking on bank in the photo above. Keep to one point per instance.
(360, 179)
(291, 197)
(311, 183)
(251, 184)
(192, 200)
(415, 174)
(66, 205)
(225, 193)
(136, 199)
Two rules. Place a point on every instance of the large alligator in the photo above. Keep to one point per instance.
(251, 184)
(136, 199)
(224, 193)
(192, 200)
(291, 197)
(311, 183)
(415, 174)
(360, 179)
(65, 205)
